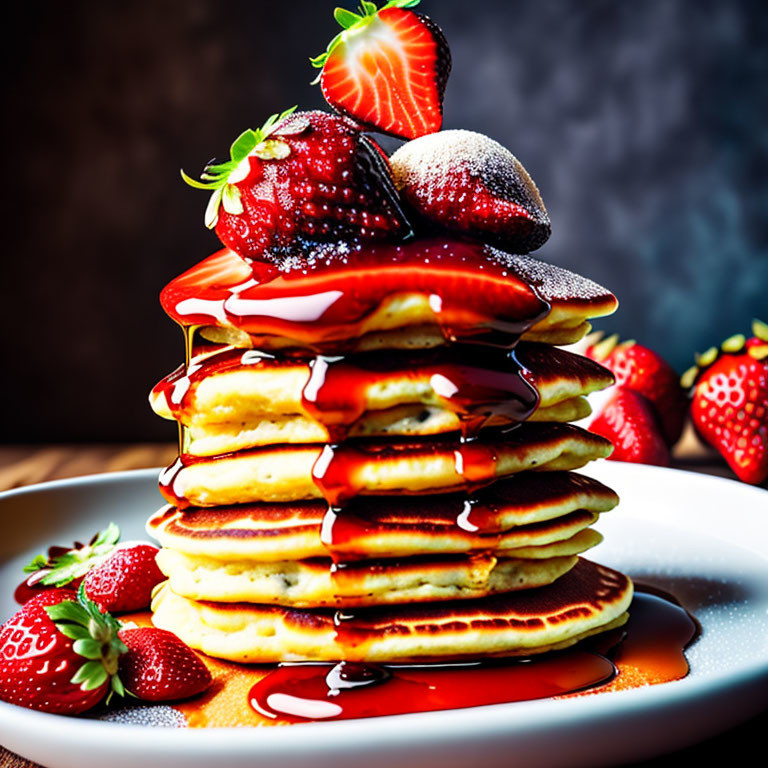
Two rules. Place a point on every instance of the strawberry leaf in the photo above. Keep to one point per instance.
(87, 647)
(78, 561)
(348, 19)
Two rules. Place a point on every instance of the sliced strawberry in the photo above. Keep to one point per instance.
(160, 667)
(730, 402)
(629, 422)
(465, 182)
(645, 371)
(387, 69)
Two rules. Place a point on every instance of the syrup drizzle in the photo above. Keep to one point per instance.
(329, 301)
(649, 649)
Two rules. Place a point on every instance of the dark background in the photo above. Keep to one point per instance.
(644, 124)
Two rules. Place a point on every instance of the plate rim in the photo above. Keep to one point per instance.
(514, 718)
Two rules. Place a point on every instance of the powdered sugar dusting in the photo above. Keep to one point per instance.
(553, 282)
(443, 162)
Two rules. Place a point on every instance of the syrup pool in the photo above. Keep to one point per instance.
(648, 650)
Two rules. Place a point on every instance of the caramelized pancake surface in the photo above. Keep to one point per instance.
(587, 599)
(290, 473)
(530, 509)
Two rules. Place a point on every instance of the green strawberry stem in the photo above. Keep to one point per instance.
(77, 562)
(222, 177)
(96, 639)
(354, 23)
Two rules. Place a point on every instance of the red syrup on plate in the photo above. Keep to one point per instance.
(649, 649)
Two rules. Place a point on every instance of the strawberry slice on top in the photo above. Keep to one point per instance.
(387, 69)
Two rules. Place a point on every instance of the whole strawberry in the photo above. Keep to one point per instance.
(125, 580)
(160, 667)
(729, 405)
(387, 69)
(465, 182)
(628, 420)
(302, 179)
(59, 654)
(646, 372)
(118, 577)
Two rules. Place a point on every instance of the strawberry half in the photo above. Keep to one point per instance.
(387, 69)
(730, 402)
(59, 653)
(160, 667)
(645, 371)
(465, 182)
(629, 422)
(302, 180)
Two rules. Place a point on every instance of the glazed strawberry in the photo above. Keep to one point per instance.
(465, 182)
(125, 580)
(387, 69)
(645, 371)
(629, 422)
(729, 407)
(160, 667)
(303, 179)
(59, 653)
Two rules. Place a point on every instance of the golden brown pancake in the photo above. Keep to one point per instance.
(319, 582)
(231, 400)
(290, 473)
(588, 599)
(530, 509)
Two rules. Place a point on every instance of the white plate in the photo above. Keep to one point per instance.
(703, 538)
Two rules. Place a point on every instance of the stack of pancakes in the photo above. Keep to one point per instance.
(396, 493)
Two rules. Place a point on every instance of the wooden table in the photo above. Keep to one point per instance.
(24, 465)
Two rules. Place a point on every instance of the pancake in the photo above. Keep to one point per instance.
(589, 598)
(232, 400)
(417, 299)
(318, 582)
(290, 473)
(530, 509)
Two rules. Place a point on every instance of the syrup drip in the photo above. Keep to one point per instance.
(329, 301)
(647, 650)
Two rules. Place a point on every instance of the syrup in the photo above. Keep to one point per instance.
(328, 301)
(647, 650)
(479, 388)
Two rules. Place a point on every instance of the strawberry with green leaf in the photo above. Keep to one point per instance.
(59, 653)
(387, 69)
(729, 406)
(118, 577)
(301, 180)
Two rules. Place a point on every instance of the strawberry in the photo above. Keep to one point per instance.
(117, 577)
(465, 182)
(67, 566)
(629, 422)
(160, 667)
(301, 180)
(644, 371)
(387, 69)
(59, 653)
(729, 408)
(125, 580)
